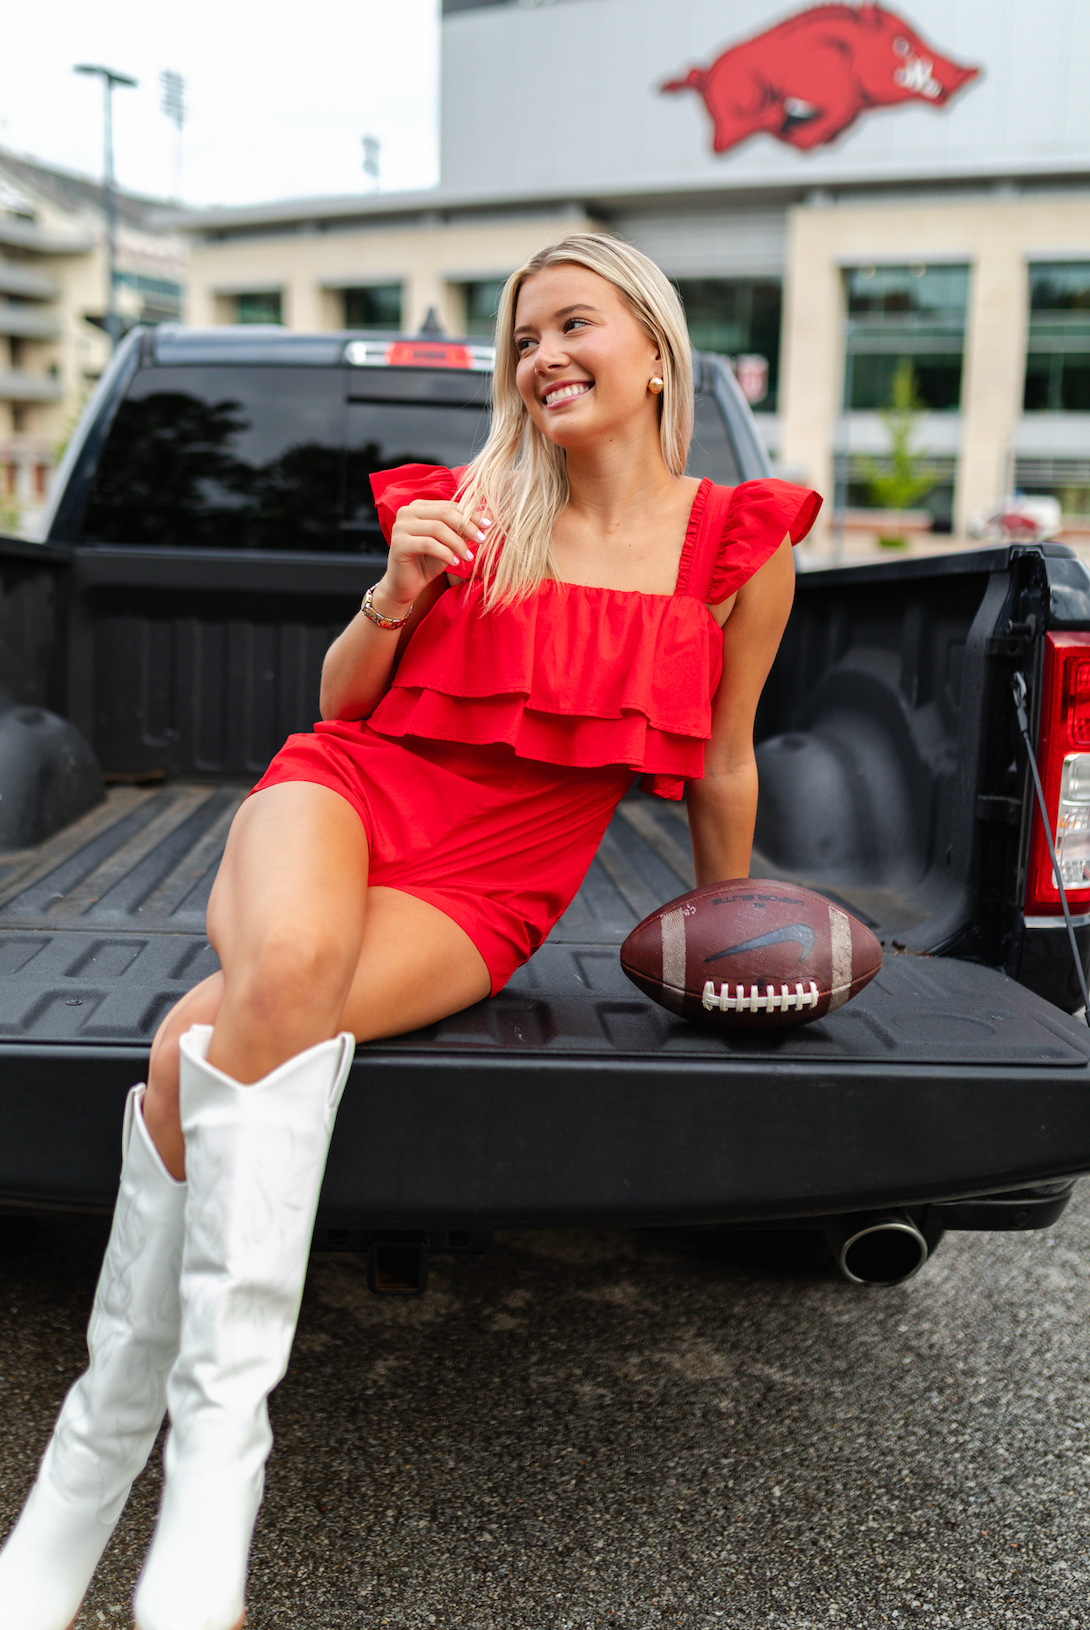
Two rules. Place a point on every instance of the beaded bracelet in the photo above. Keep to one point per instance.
(377, 618)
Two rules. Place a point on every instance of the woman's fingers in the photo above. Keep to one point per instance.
(444, 529)
(437, 541)
(446, 514)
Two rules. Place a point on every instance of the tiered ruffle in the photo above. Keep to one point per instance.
(570, 675)
(586, 677)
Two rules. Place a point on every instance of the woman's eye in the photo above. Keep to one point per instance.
(572, 320)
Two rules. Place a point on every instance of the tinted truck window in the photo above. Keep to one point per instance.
(222, 457)
(241, 457)
(382, 435)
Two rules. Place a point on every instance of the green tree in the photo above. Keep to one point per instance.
(901, 480)
(10, 515)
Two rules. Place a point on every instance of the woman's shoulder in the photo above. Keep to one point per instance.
(742, 527)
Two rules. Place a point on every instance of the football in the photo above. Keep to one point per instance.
(751, 954)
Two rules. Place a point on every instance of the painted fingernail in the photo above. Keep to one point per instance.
(486, 521)
(480, 536)
(469, 554)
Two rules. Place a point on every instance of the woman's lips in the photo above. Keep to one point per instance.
(570, 392)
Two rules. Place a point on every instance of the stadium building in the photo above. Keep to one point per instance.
(862, 205)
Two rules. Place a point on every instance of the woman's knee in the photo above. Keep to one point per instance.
(289, 972)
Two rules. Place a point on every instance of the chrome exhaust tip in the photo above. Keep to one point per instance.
(881, 1249)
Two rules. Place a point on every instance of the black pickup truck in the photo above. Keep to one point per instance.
(212, 529)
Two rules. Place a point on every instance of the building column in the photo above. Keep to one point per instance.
(812, 361)
(303, 307)
(993, 379)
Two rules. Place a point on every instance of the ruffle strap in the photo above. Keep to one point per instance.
(394, 488)
(740, 528)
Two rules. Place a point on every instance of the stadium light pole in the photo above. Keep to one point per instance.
(173, 105)
(109, 79)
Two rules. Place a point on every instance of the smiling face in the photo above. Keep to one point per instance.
(584, 361)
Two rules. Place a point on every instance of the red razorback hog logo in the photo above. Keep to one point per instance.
(808, 79)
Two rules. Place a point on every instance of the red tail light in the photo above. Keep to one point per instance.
(427, 354)
(1063, 758)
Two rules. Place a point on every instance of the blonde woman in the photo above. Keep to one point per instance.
(565, 614)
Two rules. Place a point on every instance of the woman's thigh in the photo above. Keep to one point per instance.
(294, 867)
(411, 964)
(416, 966)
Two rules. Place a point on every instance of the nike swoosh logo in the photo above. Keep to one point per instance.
(800, 932)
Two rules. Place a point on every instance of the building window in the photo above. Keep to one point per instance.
(161, 297)
(737, 316)
(482, 303)
(378, 305)
(1065, 479)
(1058, 349)
(259, 308)
(898, 314)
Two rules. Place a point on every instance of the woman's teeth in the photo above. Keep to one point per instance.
(565, 393)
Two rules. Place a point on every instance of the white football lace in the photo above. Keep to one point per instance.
(784, 998)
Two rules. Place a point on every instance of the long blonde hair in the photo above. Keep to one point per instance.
(519, 479)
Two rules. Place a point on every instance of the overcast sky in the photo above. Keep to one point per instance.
(279, 96)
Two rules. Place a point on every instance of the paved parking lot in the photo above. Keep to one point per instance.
(632, 1429)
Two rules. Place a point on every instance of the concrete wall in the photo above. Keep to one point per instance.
(598, 68)
(429, 256)
(997, 235)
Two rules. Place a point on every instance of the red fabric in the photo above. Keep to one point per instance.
(392, 488)
(740, 529)
(487, 774)
(499, 844)
(587, 676)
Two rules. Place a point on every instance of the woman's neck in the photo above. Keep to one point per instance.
(625, 521)
(609, 484)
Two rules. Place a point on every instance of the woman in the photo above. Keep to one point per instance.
(570, 610)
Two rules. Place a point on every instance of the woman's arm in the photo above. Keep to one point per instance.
(723, 806)
(427, 538)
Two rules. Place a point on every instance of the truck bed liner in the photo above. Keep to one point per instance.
(101, 930)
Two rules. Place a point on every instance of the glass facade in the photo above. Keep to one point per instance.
(1058, 348)
(377, 305)
(905, 314)
(259, 308)
(162, 298)
(482, 302)
(737, 316)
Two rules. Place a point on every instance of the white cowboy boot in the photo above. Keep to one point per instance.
(255, 1156)
(109, 1419)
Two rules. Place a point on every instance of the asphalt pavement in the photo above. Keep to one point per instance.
(637, 1429)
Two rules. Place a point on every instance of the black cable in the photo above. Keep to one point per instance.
(1018, 686)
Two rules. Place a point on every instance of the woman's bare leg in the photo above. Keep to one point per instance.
(307, 950)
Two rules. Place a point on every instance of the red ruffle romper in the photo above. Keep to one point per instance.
(487, 774)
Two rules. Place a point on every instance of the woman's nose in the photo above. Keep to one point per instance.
(550, 354)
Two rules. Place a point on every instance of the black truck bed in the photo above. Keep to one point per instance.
(570, 1096)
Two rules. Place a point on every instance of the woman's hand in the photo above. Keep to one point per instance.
(428, 538)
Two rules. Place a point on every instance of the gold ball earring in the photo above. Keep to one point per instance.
(655, 385)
